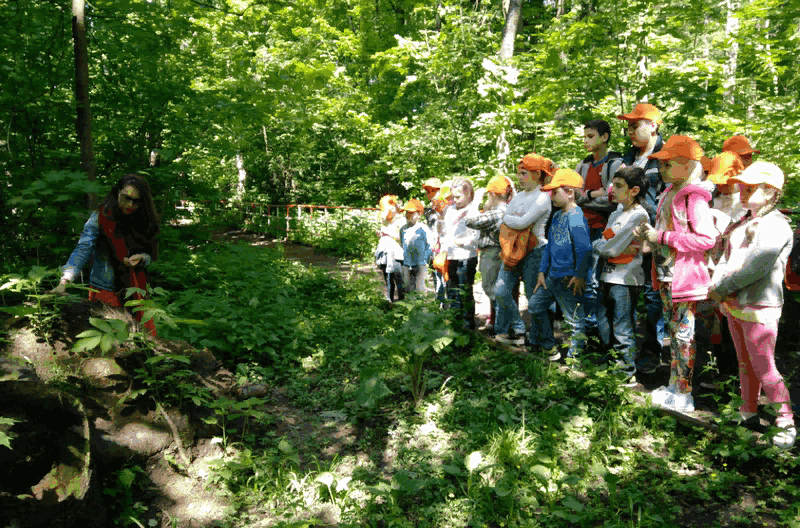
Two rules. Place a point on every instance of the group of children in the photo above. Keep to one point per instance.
(701, 239)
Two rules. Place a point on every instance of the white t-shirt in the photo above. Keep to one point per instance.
(529, 208)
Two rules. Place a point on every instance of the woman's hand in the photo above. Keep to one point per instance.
(540, 282)
(134, 260)
(61, 289)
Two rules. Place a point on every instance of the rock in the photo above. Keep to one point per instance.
(132, 440)
(104, 373)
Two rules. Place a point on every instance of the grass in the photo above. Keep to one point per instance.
(495, 439)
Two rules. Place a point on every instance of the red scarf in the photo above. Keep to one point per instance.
(134, 278)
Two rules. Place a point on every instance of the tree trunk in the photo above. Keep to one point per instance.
(83, 123)
(731, 32)
(242, 172)
(510, 29)
(560, 8)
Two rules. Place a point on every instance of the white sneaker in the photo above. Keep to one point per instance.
(679, 402)
(785, 436)
(554, 354)
(506, 339)
(659, 395)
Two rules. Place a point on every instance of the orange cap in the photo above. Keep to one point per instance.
(534, 162)
(499, 184)
(388, 201)
(432, 183)
(724, 166)
(643, 111)
(564, 178)
(739, 145)
(414, 205)
(679, 146)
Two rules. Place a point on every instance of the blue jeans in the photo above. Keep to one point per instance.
(594, 301)
(459, 289)
(655, 329)
(618, 315)
(394, 283)
(572, 308)
(507, 310)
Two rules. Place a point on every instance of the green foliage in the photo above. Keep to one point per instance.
(420, 330)
(32, 300)
(123, 486)
(5, 438)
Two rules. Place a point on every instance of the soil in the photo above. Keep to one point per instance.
(167, 489)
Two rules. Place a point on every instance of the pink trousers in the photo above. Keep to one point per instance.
(755, 346)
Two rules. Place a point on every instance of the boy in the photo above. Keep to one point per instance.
(488, 225)
(596, 170)
(621, 274)
(741, 146)
(564, 267)
(643, 130)
(415, 238)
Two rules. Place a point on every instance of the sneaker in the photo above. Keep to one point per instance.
(660, 395)
(510, 339)
(748, 420)
(679, 402)
(785, 437)
(628, 373)
(486, 327)
(554, 354)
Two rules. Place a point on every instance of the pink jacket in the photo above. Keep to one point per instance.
(693, 235)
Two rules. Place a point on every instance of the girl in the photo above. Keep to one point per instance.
(389, 253)
(416, 240)
(121, 236)
(527, 212)
(684, 232)
(460, 243)
(621, 273)
(748, 282)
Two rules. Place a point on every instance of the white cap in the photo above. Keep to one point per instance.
(761, 172)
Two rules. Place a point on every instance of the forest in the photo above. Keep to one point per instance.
(231, 108)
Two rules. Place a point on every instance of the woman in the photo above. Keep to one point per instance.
(121, 238)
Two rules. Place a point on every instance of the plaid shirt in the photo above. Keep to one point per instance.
(488, 224)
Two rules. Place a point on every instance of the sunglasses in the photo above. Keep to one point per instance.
(129, 199)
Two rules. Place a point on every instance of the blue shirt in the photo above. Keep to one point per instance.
(568, 247)
(416, 246)
(102, 275)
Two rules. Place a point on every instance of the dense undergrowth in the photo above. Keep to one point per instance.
(495, 439)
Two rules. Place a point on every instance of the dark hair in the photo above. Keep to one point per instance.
(601, 126)
(143, 222)
(634, 177)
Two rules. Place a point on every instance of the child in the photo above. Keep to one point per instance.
(596, 170)
(415, 238)
(524, 221)
(741, 146)
(748, 282)
(488, 224)
(644, 123)
(683, 233)
(460, 243)
(564, 267)
(621, 274)
(389, 253)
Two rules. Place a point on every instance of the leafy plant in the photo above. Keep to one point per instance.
(5, 424)
(421, 330)
(37, 308)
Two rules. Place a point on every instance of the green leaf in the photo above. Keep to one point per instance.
(573, 504)
(101, 324)
(86, 344)
(106, 342)
(89, 333)
(371, 389)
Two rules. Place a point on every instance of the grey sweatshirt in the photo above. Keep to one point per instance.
(753, 262)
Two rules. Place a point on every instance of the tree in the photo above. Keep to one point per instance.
(83, 124)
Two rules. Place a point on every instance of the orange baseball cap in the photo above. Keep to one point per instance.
(499, 184)
(432, 183)
(388, 201)
(679, 146)
(723, 167)
(564, 178)
(414, 205)
(739, 145)
(643, 111)
(534, 162)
